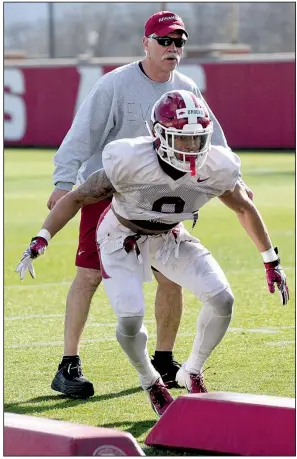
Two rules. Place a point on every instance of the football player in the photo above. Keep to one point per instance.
(116, 108)
(157, 183)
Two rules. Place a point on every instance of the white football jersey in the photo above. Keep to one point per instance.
(146, 192)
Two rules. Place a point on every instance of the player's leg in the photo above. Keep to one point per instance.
(212, 324)
(69, 378)
(197, 270)
(123, 279)
(168, 313)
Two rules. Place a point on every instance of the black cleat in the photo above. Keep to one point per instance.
(69, 380)
(167, 369)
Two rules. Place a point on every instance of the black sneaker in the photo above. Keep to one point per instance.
(69, 380)
(167, 369)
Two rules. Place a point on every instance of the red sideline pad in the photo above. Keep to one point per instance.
(33, 436)
(226, 422)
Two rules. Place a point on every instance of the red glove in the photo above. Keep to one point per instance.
(276, 275)
(36, 248)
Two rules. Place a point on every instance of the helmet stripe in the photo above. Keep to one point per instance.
(190, 105)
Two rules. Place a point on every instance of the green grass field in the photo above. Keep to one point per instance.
(256, 355)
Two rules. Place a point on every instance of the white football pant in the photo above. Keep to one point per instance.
(183, 260)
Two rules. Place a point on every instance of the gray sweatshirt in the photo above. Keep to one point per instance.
(116, 108)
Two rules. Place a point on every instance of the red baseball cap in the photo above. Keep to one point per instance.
(163, 23)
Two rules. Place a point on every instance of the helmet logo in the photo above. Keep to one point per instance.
(190, 113)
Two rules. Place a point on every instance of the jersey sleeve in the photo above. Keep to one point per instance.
(227, 168)
(116, 157)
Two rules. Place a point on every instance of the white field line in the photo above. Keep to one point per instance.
(152, 335)
(252, 330)
(35, 285)
(280, 343)
(50, 316)
(22, 246)
(34, 316)
(56, 343)
(51, 284)
(146, 321)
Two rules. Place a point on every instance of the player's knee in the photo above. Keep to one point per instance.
(129, 304)
(129, 326)
(222, 303)
(88, 278)
(132, 336)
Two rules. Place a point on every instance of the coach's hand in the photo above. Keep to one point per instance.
(35, 249)
(276, 275)
(55, 196)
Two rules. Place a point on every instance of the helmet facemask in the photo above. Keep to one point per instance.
(193, 155)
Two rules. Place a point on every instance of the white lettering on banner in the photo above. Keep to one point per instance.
(89, 75)
(197, 73)
(14, 105)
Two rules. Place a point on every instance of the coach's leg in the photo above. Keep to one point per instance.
(168, 313)
(69, 378)
(78, 304)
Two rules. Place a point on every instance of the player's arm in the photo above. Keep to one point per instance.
(96, 188)
(252, 222)
(248, 216)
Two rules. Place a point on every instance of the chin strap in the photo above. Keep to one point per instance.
(193, 166)
(195, 218)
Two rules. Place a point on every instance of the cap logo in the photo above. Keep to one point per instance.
(168, 18)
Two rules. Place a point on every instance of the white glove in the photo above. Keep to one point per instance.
(36, 248)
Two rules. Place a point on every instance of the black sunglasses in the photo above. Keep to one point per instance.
(167, 41)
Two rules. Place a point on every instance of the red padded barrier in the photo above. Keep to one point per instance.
(251, 99)
(33, 436)
(225, 422)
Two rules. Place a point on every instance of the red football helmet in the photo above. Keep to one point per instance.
(182, 125)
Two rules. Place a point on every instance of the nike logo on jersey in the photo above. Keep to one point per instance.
(80, 252)
(202, 180)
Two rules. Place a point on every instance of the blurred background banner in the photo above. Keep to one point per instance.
(241, 56)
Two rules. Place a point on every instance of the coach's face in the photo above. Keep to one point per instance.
(167, 57)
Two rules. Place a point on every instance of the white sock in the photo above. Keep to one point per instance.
(136, 351)
(212, 324)
(147, 373)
